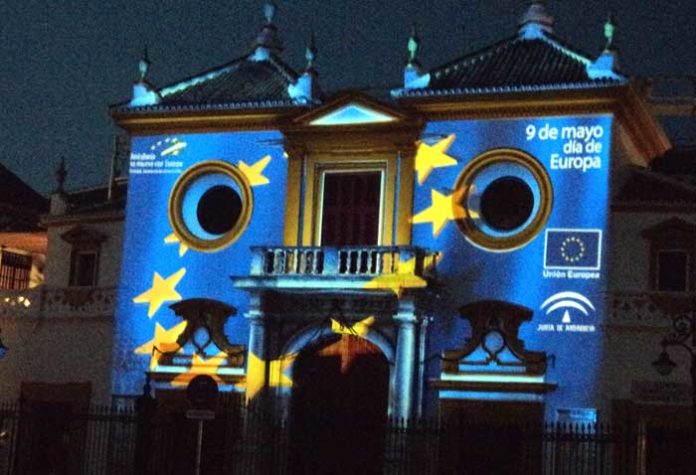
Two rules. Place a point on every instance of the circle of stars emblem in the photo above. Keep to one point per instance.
(572, 249)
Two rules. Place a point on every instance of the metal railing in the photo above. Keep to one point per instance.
(106, 440)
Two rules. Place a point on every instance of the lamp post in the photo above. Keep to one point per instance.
(683, 336)
(3, 348)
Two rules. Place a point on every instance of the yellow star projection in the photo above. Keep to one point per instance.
(433, 156)
(164, 341)
(443, 208)
(439, 212)
(162, 290)
(256, 373)
(173, 239)
(254, 173)
(357, 329)
(201, 366)
(404, 278)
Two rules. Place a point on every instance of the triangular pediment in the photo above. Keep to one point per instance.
(82, 235)
(352, 114)
(351, 109)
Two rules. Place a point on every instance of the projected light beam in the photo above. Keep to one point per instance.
(162, 290)
(360, 328)
(429, 157)
(404, 278)
(567, 300)
(256, 373)
(173, 239)
(201, 366)
(444, 208)
(254, 173)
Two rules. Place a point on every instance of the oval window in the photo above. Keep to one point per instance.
(503, 199)
(210, 205)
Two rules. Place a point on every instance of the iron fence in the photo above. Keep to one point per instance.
(111, 440)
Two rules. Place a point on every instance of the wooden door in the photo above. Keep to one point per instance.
(351, 205)
(339, 408)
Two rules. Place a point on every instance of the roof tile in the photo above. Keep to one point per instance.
(517, 63)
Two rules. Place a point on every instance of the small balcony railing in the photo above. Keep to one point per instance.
(58, 302)
(345, 267)
(339, 261)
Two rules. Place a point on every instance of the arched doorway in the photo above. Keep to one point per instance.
(339, 407)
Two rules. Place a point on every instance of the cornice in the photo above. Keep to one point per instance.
(622, 101)
(148, 123)
(516, 104)
(61, 220)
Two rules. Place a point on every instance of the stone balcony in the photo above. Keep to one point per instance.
(58, 302)
(356, 268)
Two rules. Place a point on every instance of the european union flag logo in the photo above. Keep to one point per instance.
(578, 249)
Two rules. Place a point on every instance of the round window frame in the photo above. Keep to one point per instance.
(462, 214)
(174, 210)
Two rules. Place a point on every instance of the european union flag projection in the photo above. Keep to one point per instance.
(577, 249)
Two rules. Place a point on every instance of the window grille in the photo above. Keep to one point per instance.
(15, 270)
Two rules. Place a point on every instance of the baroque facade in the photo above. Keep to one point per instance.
(491, 240)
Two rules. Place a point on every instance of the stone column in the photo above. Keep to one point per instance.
(257, 353)
(406, 357)
(421, 371)
(255, 452)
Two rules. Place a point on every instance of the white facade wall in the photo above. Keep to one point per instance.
(57, 270)
(56, 350)
(63, 335)
(636, 325)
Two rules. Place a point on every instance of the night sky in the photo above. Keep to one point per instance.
(64, 62)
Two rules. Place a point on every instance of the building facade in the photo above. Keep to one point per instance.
(442, 249)
(491, 240)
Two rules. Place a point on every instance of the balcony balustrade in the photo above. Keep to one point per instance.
(335, 267)
(649, 308)
(58, 302)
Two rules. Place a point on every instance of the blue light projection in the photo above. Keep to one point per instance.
(143, 319)
(556, 269)
(353, 114)
(574, 153)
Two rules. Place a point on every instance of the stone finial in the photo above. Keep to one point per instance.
(607, 64)
(609, 31)
(144, 65)
(536, 20)
(59, 200)
(306, 89)
(269, 11)
(144, 93)
(413, 47)
(267, 40)
(311, 53)
(61, 175)
(413, 77)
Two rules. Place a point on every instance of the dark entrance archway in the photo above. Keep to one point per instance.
(339, 408)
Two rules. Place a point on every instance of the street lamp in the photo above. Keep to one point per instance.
(664, 364)
(3, 348)
(683, 335)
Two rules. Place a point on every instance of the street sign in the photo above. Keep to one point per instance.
(200, 414)
(202, 392)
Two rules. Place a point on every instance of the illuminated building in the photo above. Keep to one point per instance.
(463, 224)
(458, 248)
